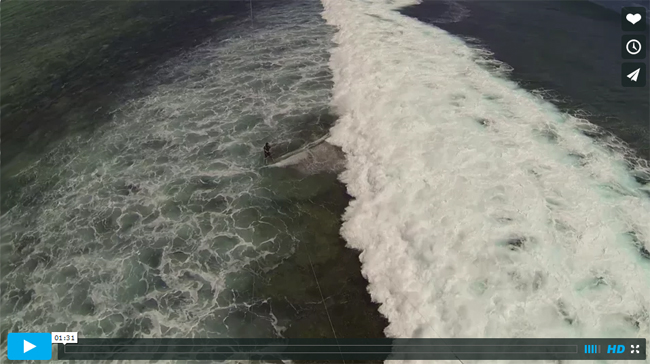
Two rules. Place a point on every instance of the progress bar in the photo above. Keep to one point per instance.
(354, 349)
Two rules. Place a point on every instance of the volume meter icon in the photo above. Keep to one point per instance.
(592, 349)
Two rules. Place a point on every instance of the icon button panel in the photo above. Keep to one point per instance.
(633, 19)
(29, 346)
(633, 46)
(633, 74)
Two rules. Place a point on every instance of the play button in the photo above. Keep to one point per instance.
(27, 346)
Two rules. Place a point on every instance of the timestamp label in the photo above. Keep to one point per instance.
(64, 338)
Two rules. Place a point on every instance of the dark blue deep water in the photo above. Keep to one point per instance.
(570, 49)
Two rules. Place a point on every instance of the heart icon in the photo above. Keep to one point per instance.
(633, 18)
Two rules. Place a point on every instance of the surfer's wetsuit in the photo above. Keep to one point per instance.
(267, 151)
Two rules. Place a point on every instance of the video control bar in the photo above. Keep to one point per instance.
(353, 349)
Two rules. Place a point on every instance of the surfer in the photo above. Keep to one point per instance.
(267, 151)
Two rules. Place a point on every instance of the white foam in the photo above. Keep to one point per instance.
(186, 234)
(437, 194)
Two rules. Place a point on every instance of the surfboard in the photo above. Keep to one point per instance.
(297, 155)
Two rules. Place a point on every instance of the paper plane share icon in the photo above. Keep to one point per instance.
(634, 75)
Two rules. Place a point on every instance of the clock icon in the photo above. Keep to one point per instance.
(633, 47)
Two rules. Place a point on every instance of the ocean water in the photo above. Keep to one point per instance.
(76, 55)
(165, 220)
(481, 208)
(575, 63)
(491, 197)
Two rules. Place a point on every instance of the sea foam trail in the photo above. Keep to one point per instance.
(481, 210)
